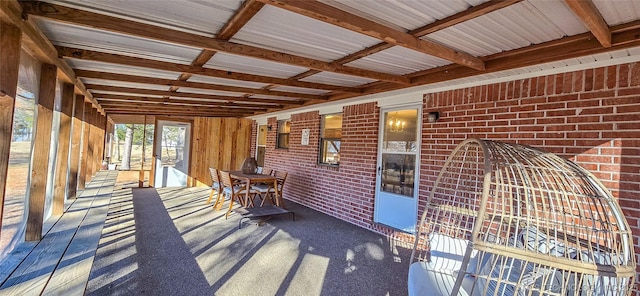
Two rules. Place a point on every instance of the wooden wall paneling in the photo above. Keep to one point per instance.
(62, 160)
(197, 151)
(84, 154)
(41, 146)
(100, 140)
(215, 143)
(10, 37)
(229, 129)
(92, 131)
(76, 141)
(221, 143)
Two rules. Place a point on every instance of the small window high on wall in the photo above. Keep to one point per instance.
(330, 135)
(284, 128)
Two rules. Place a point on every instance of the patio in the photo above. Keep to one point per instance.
(169, 242)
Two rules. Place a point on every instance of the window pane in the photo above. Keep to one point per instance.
(401, 131)
(332, 126)
(330, 151)
(284, 126)
(398, 172)
(262, 135)
(283, 140)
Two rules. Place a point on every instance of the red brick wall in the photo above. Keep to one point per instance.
(346, 192)
(590, 116)
(254, 138)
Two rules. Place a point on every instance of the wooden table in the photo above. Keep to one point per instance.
(256, 178)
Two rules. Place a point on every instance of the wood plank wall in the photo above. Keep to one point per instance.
(221, 143)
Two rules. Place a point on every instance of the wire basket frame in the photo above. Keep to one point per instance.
(508, 219)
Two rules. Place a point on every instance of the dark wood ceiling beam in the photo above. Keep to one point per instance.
(155, 100)
(89, 55)
(123, 26)
(438, 25)
(143, 106)
(38, 44)
(153, 92)
(463, 16)
(168, 114)
(183, 113)
(197, 85)
(337, 17)
(623, 36)
(246, 11)
(587, 12)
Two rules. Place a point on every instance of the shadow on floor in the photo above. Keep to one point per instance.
(169, 242)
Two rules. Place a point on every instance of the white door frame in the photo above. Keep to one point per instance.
(379, 194)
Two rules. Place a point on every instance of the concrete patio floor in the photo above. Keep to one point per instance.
(169, 242)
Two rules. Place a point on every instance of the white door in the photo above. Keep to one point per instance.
(396, 203)
(172, 153)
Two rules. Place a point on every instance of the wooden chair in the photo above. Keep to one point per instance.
(267, 171)
(216, 188)
(235, 191)
(267, 190)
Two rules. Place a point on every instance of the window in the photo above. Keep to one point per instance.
(284, 127)
(330, 134)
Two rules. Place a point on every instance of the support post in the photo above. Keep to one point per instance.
(84, 159)
(10, 37)
(62, 160)
(76, 141)
(41, 147)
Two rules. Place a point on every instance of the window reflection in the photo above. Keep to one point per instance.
(398, 174)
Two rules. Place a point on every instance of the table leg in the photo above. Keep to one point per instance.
(247, 200)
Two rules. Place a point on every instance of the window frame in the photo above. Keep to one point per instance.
(323, 140)
(283, 123)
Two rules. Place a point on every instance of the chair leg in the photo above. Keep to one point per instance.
(219, 201)
(210, 196)
(226, 216)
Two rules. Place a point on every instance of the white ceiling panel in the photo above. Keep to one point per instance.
(209, 92)
(403, 15)
(195, 16)
(97, 92)
(229, 82)
(284, 99)
(300, 90)
(120, 69)
(123, 84)
(399, 61)
(510, 28)
(86, 38)
(618, 12)
(277, 29)
(235, 63)
(337, 79)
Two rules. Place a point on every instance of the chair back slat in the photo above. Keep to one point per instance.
(225, 178)
(267, 171)
(281, 176)
(215, 177)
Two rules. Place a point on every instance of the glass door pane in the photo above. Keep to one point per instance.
(399, 150)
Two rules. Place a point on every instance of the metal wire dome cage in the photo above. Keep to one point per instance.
(507, 219)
